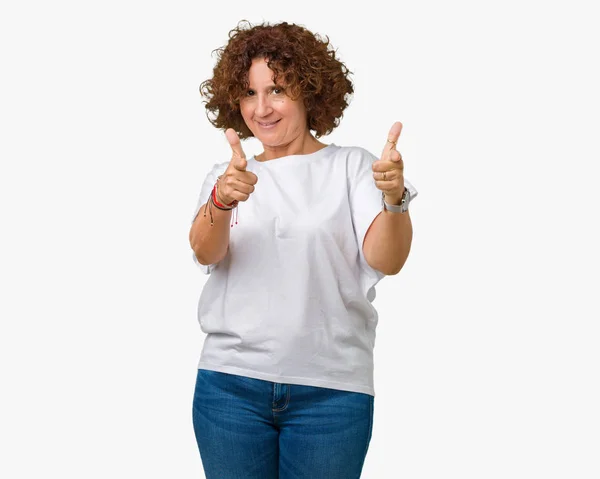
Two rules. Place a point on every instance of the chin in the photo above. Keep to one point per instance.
(268, 141)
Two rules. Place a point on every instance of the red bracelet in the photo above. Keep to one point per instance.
(220, 205)
(212, 200)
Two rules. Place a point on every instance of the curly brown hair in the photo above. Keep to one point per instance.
(306, 62)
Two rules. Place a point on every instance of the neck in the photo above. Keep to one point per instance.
(300, 146)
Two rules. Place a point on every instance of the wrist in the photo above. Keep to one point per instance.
(394, 200)
(220, 199)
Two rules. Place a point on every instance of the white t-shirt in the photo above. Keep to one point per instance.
(291, 300)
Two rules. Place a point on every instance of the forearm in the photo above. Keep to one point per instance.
(210, 243)
(388, 241)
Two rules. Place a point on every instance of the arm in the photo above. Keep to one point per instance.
(387, 242)
(210, 243)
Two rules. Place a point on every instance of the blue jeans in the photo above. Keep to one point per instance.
(253, 429)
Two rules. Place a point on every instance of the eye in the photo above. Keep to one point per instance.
(278, 90)
(250, 93)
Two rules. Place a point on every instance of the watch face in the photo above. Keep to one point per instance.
(406, 196)
(405, 200)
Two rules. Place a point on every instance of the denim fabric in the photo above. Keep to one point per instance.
(253, 429)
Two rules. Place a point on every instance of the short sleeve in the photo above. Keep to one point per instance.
(411, 189)
(205, 190)
(365, 205)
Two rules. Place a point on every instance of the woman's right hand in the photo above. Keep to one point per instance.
(236, 183)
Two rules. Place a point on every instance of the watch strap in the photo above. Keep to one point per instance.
(402, 207)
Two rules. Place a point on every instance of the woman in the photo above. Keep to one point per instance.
(285, 379)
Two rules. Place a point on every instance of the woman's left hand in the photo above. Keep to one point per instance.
(388, 171)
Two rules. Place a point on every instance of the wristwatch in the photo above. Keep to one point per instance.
(402, 207)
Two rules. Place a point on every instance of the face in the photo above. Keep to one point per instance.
(275, 119)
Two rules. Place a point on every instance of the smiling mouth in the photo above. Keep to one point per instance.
(269, 124)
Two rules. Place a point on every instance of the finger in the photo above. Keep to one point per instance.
(239, 191)
(388, 175)
(392, 139)
(388, 165)
(239, 196)
(247, 177)
(385, 186)
(236, 146)
(234, 142)
(236, 184)
(395, 156)
(250, 178)
(230, 189)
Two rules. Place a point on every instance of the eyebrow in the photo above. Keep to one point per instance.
(271, 87)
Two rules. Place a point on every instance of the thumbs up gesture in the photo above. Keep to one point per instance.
(236, 183)
(388, 171)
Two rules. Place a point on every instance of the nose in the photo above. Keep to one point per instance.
(263, 106)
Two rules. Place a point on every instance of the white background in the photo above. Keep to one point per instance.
(486, 361)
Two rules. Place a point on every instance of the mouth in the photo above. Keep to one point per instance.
(268, 124)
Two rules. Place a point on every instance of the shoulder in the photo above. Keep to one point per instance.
(358, 159)
(222, 165)
(219, 168)
(356, 153)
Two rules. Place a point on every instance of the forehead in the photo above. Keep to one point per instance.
(260, 73)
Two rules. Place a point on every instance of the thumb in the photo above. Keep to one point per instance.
(239, 163)
(390, 144)
(238, 160)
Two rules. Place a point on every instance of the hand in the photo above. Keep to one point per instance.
(236, 183)
(388, 171)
